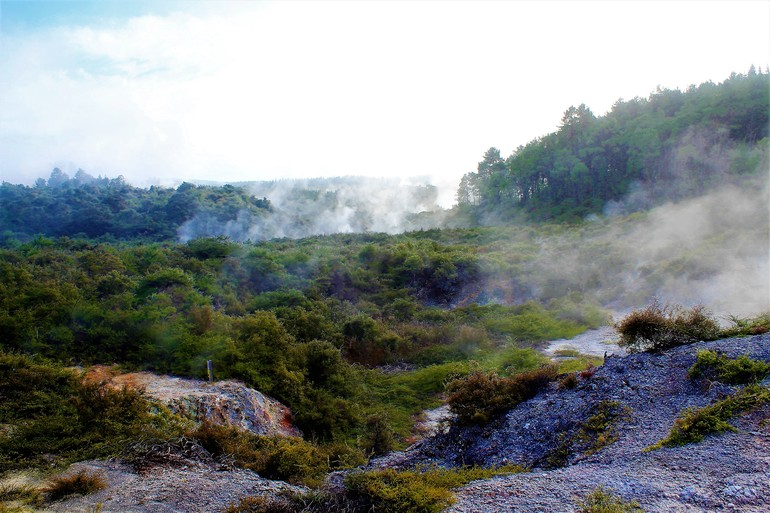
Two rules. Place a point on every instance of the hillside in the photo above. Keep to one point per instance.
(357, 305)
(573, 441)
(558, 435)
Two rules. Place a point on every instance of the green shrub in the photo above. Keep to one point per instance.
(748, 326)
(49, 411)
(388, 490)
(378, 438)
(274, 457)
(79, 483)
(693, 425)
(601, 500)
(739, 371)
(477, 398)
(656, 328)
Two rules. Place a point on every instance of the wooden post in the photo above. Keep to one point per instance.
(210, 368)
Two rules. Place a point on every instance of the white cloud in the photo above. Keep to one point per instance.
(258, 91)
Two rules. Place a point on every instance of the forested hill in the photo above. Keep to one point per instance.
(669, 146)
(91, 207)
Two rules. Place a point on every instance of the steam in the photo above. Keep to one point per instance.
(321, 206)
(707, 242)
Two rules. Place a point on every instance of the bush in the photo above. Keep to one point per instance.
(477, 398)
(741, 370)
(604, 501)
(378, 439)
(51, 412)
(748, 326)
(274, 457)
(695, 424)
(79, 483)
(388, 490)
(568, 382)
(657, 328)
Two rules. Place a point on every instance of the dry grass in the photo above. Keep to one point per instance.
(79, 483)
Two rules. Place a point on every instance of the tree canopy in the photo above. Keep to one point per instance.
(673, 145)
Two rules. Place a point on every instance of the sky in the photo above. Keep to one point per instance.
(166, 91)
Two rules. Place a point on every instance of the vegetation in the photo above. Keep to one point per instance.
(49, 416)
(477, 398)
(307, 322)
(742, 370)
(601, 500)
(592, 435)
(742, 326)
(288, 459)
(656, 328)
(417, 491)
(79, 483)
(693, 425)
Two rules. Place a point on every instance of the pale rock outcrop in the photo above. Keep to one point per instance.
(220, 402)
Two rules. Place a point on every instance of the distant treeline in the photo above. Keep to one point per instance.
(110, 208)
(671, 145)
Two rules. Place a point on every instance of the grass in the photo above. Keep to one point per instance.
(594, 434)
(579, 363)
(601, 500)
(693, 425)
(415, 491)
(79, 483)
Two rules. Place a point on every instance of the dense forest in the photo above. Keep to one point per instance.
(673, 145)
(358, 332)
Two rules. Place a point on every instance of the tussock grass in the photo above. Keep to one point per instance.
(602, 500)
(79, 483)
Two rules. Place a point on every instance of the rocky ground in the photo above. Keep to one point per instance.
(728, 472)
(196, 488)
(641, 394)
